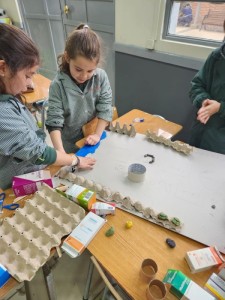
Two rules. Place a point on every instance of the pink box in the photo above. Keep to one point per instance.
(27, 184)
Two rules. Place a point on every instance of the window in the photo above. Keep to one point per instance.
(199, 22)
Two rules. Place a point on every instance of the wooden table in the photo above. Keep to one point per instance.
(122, 254)
(41, 89)
(153, 123)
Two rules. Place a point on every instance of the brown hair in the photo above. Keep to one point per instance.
(81, 42)
(17, 50)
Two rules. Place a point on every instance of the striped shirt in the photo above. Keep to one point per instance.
(21, 142)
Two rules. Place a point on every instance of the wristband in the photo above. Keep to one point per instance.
(75, 163)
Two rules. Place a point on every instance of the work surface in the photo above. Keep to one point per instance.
(123, 253)
(190, 187)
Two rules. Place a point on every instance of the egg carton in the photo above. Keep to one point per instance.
(126, 129)
(27, 238)
(176, 145)
(125, 202)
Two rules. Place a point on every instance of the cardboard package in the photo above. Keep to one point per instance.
(29, 183)
(184, 288)
(203, 259)
(216, 286)
(81, 236)
(81, 196)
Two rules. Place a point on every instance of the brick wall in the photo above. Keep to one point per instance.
(200, 9)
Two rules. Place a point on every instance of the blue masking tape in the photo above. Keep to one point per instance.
(87, 149)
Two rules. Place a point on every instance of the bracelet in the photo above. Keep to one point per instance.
(75, 163)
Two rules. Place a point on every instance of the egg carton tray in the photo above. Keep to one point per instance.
(27, 238)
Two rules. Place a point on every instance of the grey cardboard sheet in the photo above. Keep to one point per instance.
(183, 186)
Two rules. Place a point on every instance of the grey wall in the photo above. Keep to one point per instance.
(154, 87)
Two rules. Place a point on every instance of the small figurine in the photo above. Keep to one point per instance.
(128, 224)
(110, 231)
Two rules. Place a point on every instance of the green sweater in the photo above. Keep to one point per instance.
(209, 83)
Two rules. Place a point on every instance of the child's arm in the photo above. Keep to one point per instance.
(63, 159)
(93, 139)
(52, 156)
(57, 140)
(201, 82)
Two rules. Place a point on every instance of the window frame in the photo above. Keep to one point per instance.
(183, 39)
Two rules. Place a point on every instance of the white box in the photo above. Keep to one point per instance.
(203, 259)
(81, 236)
(184, 288)
(81, 196)
(216, 286)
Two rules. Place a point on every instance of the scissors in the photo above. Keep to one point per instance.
(12, 206)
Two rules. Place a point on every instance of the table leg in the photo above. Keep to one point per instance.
(49, 281)
(88, 283)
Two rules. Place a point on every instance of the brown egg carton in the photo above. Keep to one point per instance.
(125, 129)
(27, 238)
(125, 202)
(176, 145)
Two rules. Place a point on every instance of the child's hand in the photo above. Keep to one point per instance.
(92, 139)
(86, 162)
(209, 108)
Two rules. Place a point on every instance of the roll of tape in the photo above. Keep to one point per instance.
(148, 270)
(156, 290)
(136, 172)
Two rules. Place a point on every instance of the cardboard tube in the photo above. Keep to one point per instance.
(148, 270)
(136, 172)
(156, 290)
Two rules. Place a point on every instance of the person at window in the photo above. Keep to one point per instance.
(208, 96)
(22, 144)
(80, 92)
(185, 17)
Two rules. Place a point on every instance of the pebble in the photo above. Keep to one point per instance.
(171, 243)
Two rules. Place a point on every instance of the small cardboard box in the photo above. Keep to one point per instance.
(216, 286)
(81, 196)
(27, 184)
(101, 209)
(81, 236)
(184, 288)
(203, 259)
(4, 276)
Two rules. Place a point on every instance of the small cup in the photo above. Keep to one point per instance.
(148, 270)
(156, 290)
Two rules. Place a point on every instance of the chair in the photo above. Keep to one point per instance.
(39, 107)
(111, 291)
